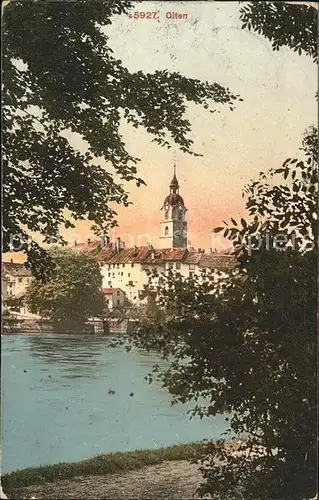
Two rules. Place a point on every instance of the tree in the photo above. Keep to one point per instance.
(246, 345)
(284, 24)
(59, 74)
(13, 303)
(71, 295)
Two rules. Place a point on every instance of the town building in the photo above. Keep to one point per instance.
(15, 278)
(128, 269)
(114, 297)
(125, 271)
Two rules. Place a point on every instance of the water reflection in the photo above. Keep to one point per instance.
(82, 355)
(65, 349)
(77, 356)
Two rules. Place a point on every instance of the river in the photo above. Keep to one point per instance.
(66, 398)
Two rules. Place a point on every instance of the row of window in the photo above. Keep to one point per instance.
(130, 283)
(20, 280)
(117, 266)
(118, 302)
(120, 273)
(178, 266)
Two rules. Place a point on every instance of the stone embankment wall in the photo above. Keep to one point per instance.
(30, 326)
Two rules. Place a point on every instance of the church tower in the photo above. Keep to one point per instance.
(174, 225)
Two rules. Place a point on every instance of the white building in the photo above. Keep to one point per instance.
(16, 277)
(14, 280)
(127, 268)
(114, 297)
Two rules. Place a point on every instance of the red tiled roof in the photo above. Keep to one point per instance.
(106, 253)
(176, 254)
(108, 291)
(16, 269)
(220, 261)
(193, 257)
(159, 256)
(128, 255)
(155, 257)
(148, 256)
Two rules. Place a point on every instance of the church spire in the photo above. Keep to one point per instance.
(174, 225)
(174, 182)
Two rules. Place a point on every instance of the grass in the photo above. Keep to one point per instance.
(100, 465)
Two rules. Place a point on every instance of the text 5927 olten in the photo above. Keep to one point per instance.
(157, 15)
(144, 15)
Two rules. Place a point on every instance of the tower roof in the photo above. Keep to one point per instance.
(174, 182)
(174, 185)
(174, 197)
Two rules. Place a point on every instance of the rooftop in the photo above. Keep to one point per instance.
(108, 291)
(147, 255)
(217, 260)
(16, 269)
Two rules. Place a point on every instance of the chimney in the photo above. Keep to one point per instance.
(107, 240)
(118, 244)
(75, 243)
(102, 239)
(11, 260)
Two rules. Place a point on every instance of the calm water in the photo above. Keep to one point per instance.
(56, 404)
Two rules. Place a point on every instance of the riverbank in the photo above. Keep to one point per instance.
(162, 473)
(15, 323)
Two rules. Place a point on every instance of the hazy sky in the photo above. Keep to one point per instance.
(278, 89)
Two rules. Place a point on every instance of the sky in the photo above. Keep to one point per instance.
(277, 89)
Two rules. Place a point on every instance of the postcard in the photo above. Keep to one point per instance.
(159, 249)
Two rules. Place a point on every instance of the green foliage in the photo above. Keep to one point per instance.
(245, 344)
(59, 74)
(284, 24)
(71, 295)
(14, 303)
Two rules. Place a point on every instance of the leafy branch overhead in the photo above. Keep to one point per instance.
(284, 24)
(60, 75)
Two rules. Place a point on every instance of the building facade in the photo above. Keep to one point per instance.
(128, 269)
(114, 297)
(15, 278)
